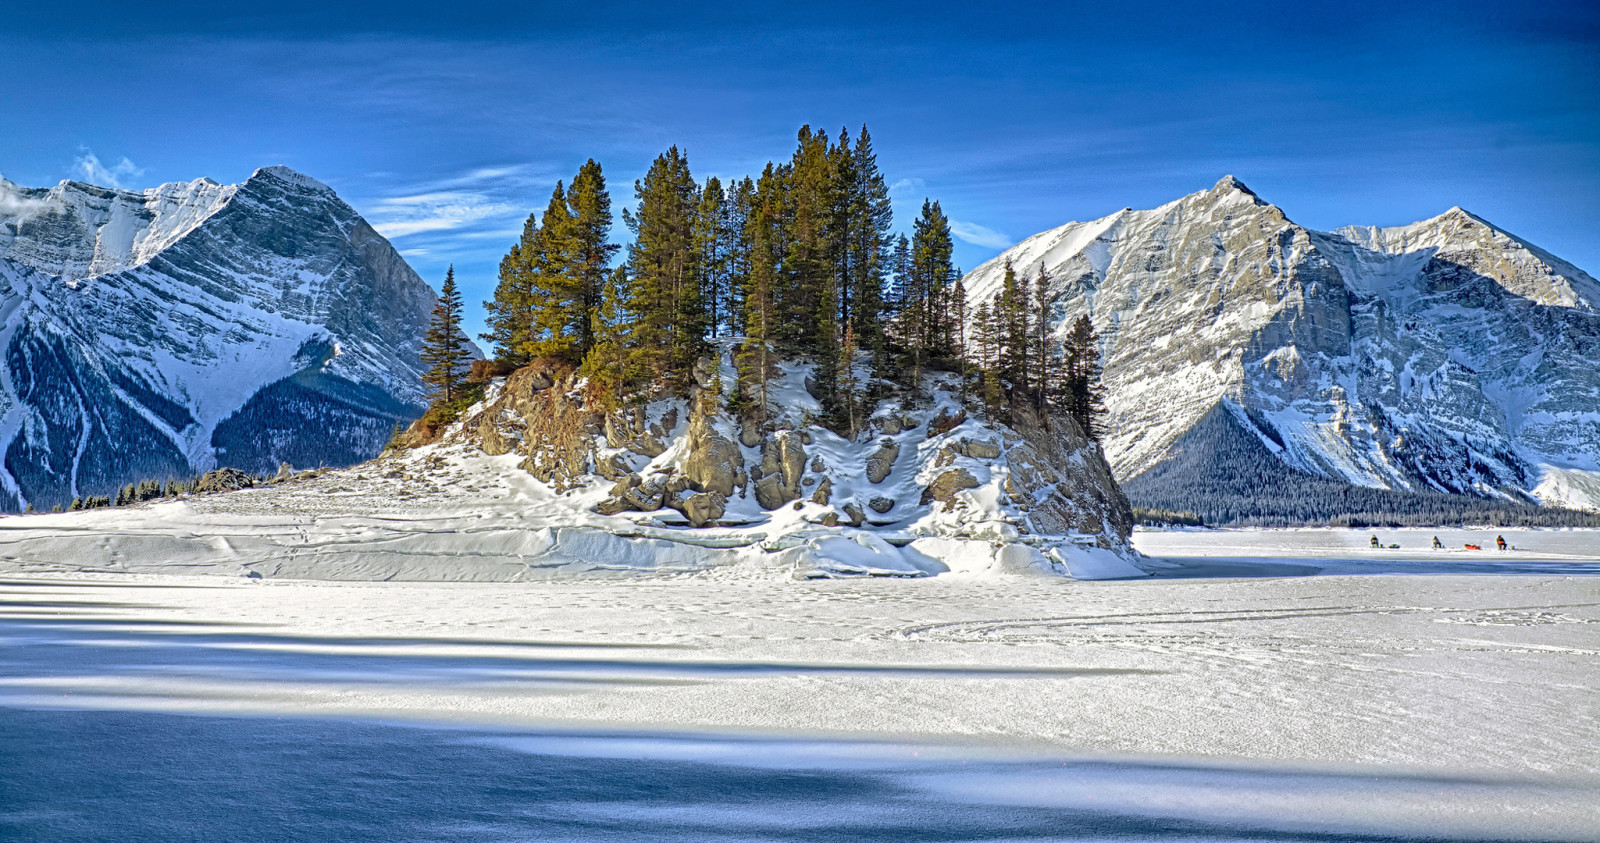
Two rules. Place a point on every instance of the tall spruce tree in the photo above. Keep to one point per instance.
(664, 266)
(590, 251)
(1043, 354)
(1082, 394)
(931, 275)
(444, 346)
(557, 315)
(510, 312)
(764, 238)
(713, 248)
(552, 280)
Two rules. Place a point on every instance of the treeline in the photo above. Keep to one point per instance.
(801, 259)
(1223, 475)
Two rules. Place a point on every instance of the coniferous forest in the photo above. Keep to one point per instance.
(799, 260)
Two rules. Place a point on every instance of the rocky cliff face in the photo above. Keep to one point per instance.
(1444, 356)
(915, 478)
(168, 331)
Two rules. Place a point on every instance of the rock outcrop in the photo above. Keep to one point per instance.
(934, 473)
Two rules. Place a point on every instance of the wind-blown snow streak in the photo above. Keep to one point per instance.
(1444, 355)
(151, 334)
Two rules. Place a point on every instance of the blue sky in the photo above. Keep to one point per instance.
(446, 124)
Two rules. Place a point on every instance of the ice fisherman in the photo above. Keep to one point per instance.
(1375, 544)
(1437, 545)
(1500, 542)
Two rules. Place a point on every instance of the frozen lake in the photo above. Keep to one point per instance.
(1286, 685)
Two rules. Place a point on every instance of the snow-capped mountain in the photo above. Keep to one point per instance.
(1447, 355)
(157, 333)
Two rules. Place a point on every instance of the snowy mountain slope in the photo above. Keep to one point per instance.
(167, 331)
(1445, 355)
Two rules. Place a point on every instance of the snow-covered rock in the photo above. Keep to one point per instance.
(825, 503)
(168, 331)
(1447, 355)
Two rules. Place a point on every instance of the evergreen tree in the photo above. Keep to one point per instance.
(557, 315)
(1082, 395)
(663, 265)
(552, 280)
(588, 260)
(612, 371)
(1043, 354)
(930, 337)
(714, 248)
(510, 312)
(765, 246)
(443, 346)
(868, 241)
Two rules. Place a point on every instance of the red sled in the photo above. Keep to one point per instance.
(1473, 547)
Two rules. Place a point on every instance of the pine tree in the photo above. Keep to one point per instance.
(510, 312)
(869, 240)
(552, 280)
(443, 346)
(713, 250)
(610, 367)
(931, 276)
(764, 244)
(557, 312)
(1042, 352)
(664, 265)
(588, 262)
(1083, 395)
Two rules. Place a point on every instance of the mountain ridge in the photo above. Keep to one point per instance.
(1379, 356)
(159, 320)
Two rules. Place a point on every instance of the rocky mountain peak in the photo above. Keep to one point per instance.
(171, 330)
(1446, 355)
(289, 176)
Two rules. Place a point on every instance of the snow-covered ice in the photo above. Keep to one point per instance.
(1213, 700)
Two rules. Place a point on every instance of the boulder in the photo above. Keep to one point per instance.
(824, 491)
(978, 449)
(701, 508)
(881, 504)
(749, 433)
(714, 462)
(648, 496)
(855, 515)
(647, 445)
(491, 440)
(882, 461)
(783, 463)
(613, 466)
(611, 506)
(769, 492)
(944, 487)
(889, 424)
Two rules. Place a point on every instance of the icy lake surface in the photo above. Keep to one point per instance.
(1279, 685)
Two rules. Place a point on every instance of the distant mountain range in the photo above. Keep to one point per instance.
(164, 332)
(1293, 371)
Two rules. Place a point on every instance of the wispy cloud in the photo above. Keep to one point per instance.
(977, 235)
(87, 166)
(398, 216)
(458, 204)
